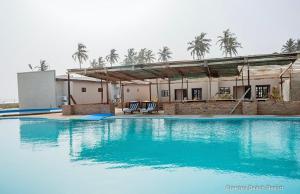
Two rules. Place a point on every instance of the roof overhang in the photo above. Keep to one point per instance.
(215, 67)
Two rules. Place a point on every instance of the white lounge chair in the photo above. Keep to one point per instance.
(133, 106)
(151, 107)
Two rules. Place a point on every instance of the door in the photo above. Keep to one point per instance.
(197, 93)
(239, 91)
(180, 94)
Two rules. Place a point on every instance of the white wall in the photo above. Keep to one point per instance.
(203, 83)
(91, 95)
(37, 89)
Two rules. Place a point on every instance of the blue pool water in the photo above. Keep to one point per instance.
(133, 156)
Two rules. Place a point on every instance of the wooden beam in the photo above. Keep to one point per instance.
(169, 83)
(150, 91)
(107, 92)
(102, 91)
(69, 90)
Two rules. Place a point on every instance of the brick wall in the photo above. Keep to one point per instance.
(85, 109)
(202, 108)
(224, 108)
(249, 108)
(278, 108)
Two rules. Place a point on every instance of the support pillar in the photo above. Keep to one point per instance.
(150, 92)
(102, 91)
(187, 88)
(69, 90)
(107, 92)
(169, 83)
(181, 88)
(122, 96)
(236, 87)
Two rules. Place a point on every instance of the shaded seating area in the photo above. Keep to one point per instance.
(133, 107)
(151, 106)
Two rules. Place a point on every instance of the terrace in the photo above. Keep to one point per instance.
(239, 68)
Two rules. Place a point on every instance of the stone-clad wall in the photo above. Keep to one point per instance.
(198, 108)
(278, 108)
(86, 109)
(224, 108)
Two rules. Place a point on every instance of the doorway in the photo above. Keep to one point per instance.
(239, 91)
(180, 94)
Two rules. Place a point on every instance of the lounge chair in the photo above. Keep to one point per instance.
(133, 106)
(151, 107)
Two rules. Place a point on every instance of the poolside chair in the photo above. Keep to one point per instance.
(133, 106)
(151, 107)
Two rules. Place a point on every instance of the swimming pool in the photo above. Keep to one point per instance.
(150, 155)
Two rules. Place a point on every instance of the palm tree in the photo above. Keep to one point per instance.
(101, 62)
(112, 57)
(228, 43)
(43, 65)
(94, 63)
(290, 46)
(164, 54)
(131, 57)
(141, 58)
(199, 46)
(80, 54)
(150, 57)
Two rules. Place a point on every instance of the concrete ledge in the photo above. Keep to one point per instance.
(278, 108)
(87, 109)
(201, 108)
(224, 108)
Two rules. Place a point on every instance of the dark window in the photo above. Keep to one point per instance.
(262, 91)
(164, 93)
(224, 90)
(83, 89)
(197, 93)
(100, 89)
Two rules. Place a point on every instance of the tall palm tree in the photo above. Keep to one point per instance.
(131, 57)
(164, 54)
(112, 57)
(141, 57)
(80, 54)
(150, 56)
(101, 62)
(199, 46)
(43, 65)
(94, 63)
(290, 46)
(228, 43)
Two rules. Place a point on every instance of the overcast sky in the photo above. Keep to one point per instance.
(31, 30)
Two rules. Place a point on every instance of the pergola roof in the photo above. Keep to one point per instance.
(216, 67)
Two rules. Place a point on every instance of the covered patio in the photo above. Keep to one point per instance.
(150, 74)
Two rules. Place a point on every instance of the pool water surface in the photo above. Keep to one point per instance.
(149, 155)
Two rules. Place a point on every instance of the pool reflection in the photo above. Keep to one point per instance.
(260, 147)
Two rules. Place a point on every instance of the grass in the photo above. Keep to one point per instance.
(9, 105)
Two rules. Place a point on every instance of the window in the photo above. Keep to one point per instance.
(83, 89)
(100, 89)
(164, 93)
(262, 91)
(224, 90)
(197, 93)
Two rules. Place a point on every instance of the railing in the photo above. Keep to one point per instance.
(240, 100)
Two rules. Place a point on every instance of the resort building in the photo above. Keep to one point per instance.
(208, 86)
(43, 89)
